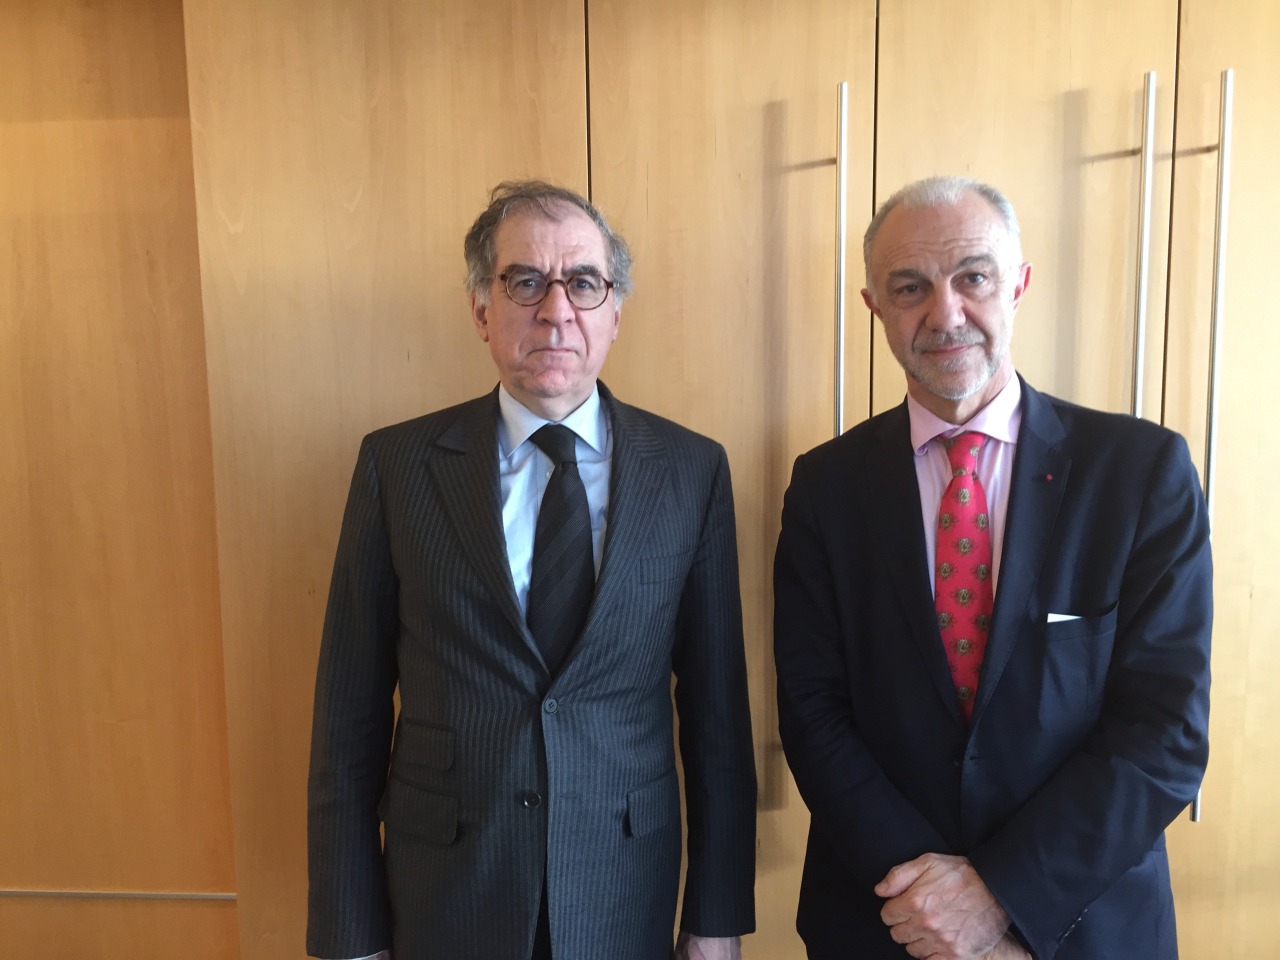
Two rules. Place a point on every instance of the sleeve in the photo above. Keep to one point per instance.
(715, 729)
(861, 815)
(1143, 760)
(348, 907)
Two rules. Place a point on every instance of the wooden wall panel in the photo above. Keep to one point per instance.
(1226, 869)
(67, 929)
(111, 689)
(341, 151)
(1043, 100)
(713, 138)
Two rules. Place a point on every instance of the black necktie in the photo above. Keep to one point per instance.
(564, 573)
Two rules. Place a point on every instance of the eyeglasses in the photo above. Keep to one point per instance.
(586, 291)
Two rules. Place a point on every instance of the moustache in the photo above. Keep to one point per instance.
(943, 341)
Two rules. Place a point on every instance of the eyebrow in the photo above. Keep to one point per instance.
(905, 273)
(976, 260)
(577, 270)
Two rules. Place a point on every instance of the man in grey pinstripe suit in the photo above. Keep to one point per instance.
(532, 810)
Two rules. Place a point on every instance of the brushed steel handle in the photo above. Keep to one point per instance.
(842, 241)
(1143, 283)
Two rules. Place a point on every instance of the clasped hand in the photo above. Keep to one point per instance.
(939, 909)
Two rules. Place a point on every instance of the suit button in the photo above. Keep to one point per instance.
(531, 800)
(551, 706)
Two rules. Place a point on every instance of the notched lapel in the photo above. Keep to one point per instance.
(638, 482)
(465, 466)
(895, 493)
(1041, 471)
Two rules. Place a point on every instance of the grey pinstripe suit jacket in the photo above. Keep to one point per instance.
(502, 773)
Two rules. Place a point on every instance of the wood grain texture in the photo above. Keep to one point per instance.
(341, 152)
(91, 60)
(41, 929)
(1226, 869)
(1043, 101)
(713, 137)
(111, 690)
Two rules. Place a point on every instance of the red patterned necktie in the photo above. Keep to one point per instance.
(962, 570)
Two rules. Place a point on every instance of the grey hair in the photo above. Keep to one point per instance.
(940, 192)
(512, 197)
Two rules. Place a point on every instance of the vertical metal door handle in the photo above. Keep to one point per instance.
(842, 238)
(1144, 239)
(1219, 305)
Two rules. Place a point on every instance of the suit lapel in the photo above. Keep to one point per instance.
(894, 501)
(464, 463)
(1037, 486)
(637, 483)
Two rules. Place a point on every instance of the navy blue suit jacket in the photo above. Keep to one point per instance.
(1089, 735)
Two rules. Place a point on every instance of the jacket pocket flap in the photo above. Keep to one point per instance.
(653, 806)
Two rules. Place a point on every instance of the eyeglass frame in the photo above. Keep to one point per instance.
(549, 281)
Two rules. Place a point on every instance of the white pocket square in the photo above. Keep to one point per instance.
(1059, 617)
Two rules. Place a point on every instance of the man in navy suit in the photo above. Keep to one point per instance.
(1003, 792)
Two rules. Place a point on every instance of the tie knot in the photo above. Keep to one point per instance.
(556, 441)
(962, 450)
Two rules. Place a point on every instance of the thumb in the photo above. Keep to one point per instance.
(900, 878)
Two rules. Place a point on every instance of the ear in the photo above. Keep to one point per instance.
(1024, 281)
(480, 317)
(870, 302)
(617, 319)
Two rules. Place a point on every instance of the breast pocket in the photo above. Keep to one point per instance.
(1082, 626)
(1076, 655)
(664, 569)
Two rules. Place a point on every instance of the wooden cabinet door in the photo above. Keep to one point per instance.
(341, 153)
(1043, 100)
(1226, 868)
(115, 814)
(713, 140)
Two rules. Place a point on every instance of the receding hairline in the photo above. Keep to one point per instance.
(538, 200)
(940, 192)
(548, 211)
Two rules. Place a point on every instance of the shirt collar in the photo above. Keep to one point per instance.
(999, 419)
(517, 423)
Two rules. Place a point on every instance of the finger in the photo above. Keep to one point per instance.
(900, 878)
(894, 913)
(909, 932)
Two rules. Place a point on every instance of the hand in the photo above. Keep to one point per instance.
(939, 909)
(692, 947)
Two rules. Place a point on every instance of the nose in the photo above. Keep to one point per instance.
(946, 309)
(556, 307)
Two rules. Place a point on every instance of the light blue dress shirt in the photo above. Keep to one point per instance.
(523, 472)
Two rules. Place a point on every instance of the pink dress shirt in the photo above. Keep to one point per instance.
(1000, 420)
